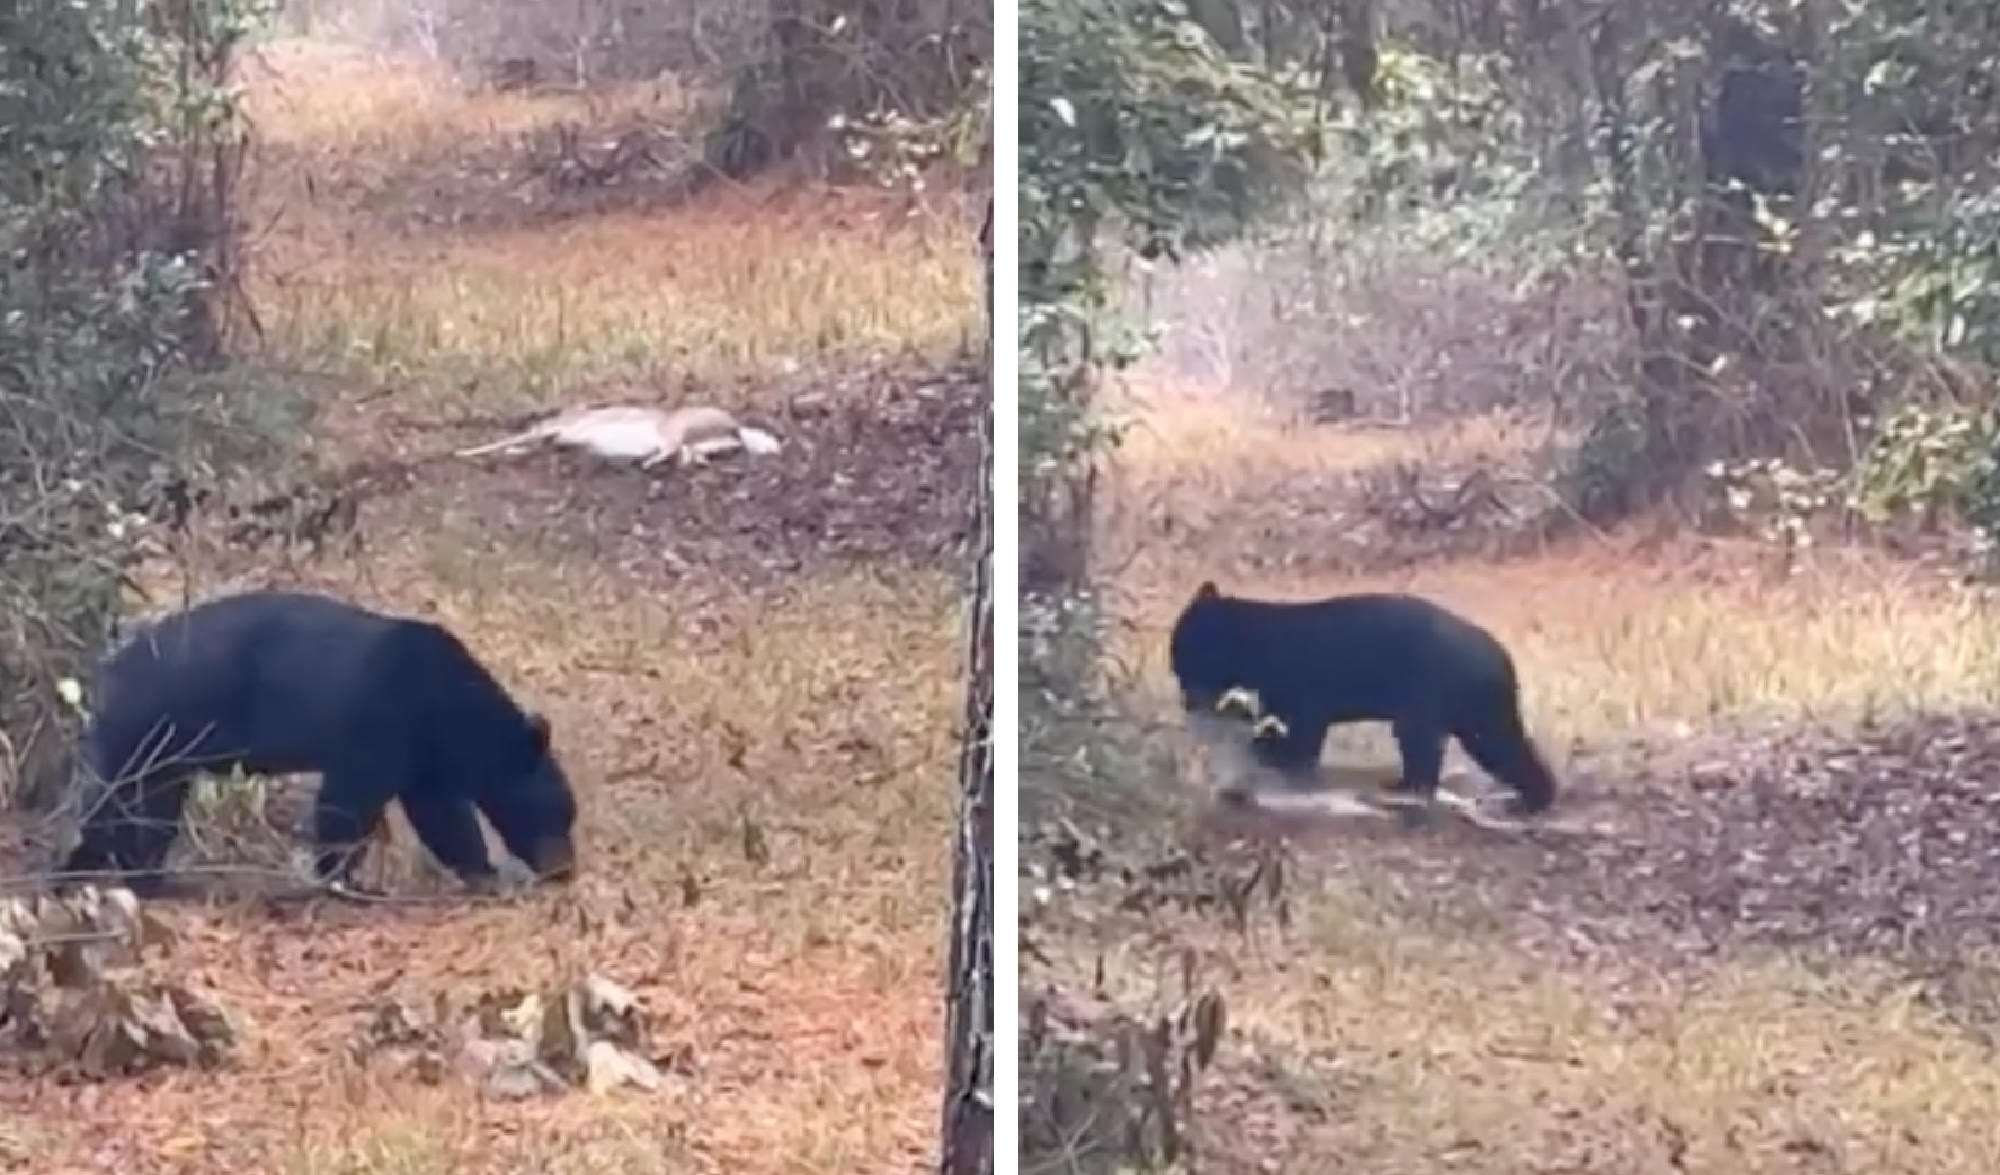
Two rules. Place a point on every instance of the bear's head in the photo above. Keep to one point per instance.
(534, 811)
(1201, 651)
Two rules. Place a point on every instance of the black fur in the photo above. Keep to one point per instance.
(1428, 672)
(383, 707)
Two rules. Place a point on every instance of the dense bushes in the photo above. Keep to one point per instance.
(119, 145)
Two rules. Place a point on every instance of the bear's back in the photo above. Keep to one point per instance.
(278, 677)
(1366, 653)
(227, 638)
(1396, 623)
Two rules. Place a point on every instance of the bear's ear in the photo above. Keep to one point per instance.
(539, 723)
(1207, 590)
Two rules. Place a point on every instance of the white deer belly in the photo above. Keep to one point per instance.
(617, 437)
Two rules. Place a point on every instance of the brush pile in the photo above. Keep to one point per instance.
(78, 994)
(590, 1034)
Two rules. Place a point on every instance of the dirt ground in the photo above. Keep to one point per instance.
(751, 667)
(1757, 936)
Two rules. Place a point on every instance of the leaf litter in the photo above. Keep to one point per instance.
(88, 990)
(84, 989)
(590, 1034)
(1880, 843)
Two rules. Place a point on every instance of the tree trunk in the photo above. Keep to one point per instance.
(968, 1098)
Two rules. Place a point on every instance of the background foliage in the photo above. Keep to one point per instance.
(118, 164)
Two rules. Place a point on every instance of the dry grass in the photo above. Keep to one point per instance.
(707, 293)
(1615, 636)
(416, 259)
(1194, 440)
(347, 103)
(764, 766)
(1405, 1049)
(1400, 1043)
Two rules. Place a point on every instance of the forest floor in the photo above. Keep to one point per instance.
(752, 667)
(1759, 935)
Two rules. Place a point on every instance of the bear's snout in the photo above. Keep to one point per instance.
(555, 859)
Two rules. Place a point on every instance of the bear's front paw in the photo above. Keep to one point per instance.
(1235, 795)
(1400, 790)
(486, 885)
(353, 891)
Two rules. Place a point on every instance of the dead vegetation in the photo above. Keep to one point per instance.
(738, 661)
(588, 1034)
(75, 995)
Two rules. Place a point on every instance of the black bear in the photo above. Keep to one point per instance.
(382, 707)
(1428, 672)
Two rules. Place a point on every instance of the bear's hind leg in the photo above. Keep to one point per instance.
(346, 813)
(151, 834)
(1499, 743)
(131, 830)
(104, 834)
(102, 848)
(1420, 742)
(448, 826)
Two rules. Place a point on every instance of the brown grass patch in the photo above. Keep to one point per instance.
(1402, 1049)
(394, 265)
(353, 106)
(1229, 478)
(706, 292)
(1228, 441)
